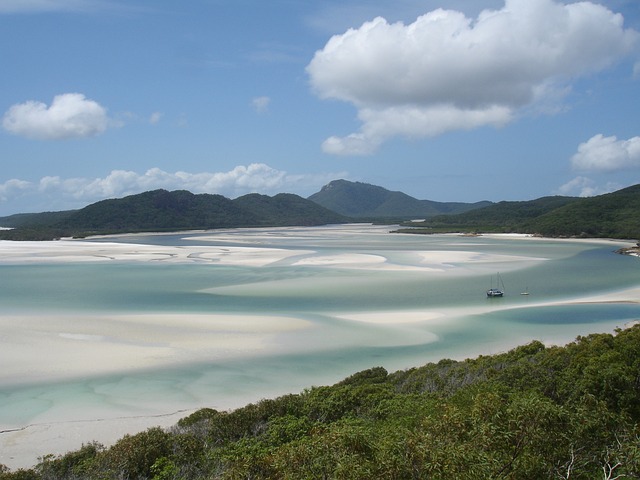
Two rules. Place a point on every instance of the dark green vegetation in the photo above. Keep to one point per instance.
(535, 412)
(160, 210)
(361, 200)
(613, 215)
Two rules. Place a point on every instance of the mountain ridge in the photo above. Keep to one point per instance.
(612, 215)
(363, 200)
(161, 210)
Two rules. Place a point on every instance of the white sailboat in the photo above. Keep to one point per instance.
(499, 290)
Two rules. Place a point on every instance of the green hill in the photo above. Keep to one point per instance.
(612, 215)
(361, 200)
(534, 412)
(286, 209)
(27, 220)
(160, 210)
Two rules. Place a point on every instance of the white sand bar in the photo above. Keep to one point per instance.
(79, 345)
(83, 251)
(53, 346)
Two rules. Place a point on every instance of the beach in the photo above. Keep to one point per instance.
(39, 348)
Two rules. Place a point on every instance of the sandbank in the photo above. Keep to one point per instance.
(77, 345)
(78, 348)
(85, 251)
(442, 315)
(71, 251)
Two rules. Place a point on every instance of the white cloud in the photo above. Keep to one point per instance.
(70, 115)
(446, 71)
(261, 104)
(155, 118)
(607, 154)
(53, 192)
(586, 187)
(13, 188)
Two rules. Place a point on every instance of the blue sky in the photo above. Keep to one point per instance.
(446, 100)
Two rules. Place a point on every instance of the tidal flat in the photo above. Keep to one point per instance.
(112, 335)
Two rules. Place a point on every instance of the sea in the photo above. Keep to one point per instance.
(334, 274)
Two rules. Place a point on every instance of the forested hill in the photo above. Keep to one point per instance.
(535, 412)
(161, 210)
(612, 215)
(361, 200)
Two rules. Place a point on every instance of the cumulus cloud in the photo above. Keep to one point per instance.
(607, 154)
(155, 117)
(70, 115)
(13, 188)
(447, 72)
(62, 193)
(261, 104)
(586, 187)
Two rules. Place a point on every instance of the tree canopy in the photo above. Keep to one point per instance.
(534, 412)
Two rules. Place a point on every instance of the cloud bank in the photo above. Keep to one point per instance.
(587, 187)
(448, 72)
(54, 192)
(607, 154)
(70, 115)
(601, 155)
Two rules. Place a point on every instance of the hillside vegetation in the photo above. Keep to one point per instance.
(160, 210)
(612, 215)
(533, 413)
(361, 200)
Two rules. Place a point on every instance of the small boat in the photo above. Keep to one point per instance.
(499, 290)
(525, 292)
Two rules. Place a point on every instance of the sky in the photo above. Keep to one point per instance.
(444, 100)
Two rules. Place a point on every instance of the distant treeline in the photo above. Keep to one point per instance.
(161, 211)
(533, 413)
(613, 215)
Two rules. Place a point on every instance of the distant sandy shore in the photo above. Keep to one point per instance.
(76, 345)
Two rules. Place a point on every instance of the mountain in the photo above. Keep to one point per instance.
(612, 215)
(361, 200)
(287, 209)
(26, 220)
(161, 210)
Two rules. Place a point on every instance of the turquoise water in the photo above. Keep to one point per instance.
(332, 348)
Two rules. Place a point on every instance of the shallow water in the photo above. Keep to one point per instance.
(307, 286)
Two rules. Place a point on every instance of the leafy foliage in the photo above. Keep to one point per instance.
(530, 413)
(361, 200)
(613, 215)
(160, 210)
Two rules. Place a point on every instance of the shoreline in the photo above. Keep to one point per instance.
(22, 445)
(83, 346)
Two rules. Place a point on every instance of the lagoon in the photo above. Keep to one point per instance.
(112, 335)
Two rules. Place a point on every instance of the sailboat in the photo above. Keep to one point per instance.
(498, 291)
